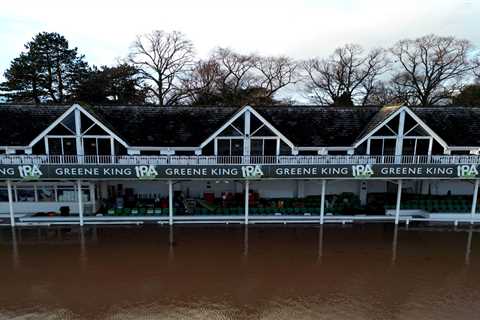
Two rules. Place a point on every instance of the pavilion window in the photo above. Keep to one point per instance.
(62, 145)
(3, 194)
(25, 194)
(415, 146)
(66, 194)
(229, 146)
(263, 146)
(98, 146)
(46, 193)
(382, 146)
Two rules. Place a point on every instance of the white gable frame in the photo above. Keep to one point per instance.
(256, 114)
(419, 121)
(66, 114)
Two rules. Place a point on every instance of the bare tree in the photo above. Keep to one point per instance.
(231, 78)
(342, 78)
(163, 59)
(387, 92)
(275, 73)
(203, 84)
(235, 69)
(432, 68)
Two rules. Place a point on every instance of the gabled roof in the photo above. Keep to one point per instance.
(148, 126)
(457, 125)
(319, 126)
(20, 124)
(185, 126)
(383, 114)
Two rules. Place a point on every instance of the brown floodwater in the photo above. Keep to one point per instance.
(369, 271)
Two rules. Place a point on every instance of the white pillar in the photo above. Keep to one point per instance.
(322, 201)
(78, 133)
(399, 198)
(170, 202)
(474, 201)
(80, 201)
(247, 187)
(246, 140)
(10, 203)
(399, 141)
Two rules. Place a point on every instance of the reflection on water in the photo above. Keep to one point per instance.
(370, 271)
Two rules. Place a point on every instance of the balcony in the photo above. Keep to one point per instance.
(236, 160)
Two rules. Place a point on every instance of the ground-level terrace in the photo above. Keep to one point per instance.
(238, 201)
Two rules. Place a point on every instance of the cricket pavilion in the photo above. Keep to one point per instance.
(267, 164)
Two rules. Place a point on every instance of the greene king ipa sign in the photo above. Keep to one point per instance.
(151, 172)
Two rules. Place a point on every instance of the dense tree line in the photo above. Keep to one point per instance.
(162, 69)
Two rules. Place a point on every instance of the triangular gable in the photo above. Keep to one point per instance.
(389, 113)
(67, 113)
(239, 114)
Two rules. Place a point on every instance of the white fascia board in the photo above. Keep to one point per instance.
(64, 115)
(462, 148)
(165, 148)
(52, 125)
(271, 127)
(426, 128)
(378, 127)
(325, 148)
(14, 147)
(225, 125)
(101, 125)
(414, 116)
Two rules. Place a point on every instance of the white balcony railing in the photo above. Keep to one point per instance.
(237, 160)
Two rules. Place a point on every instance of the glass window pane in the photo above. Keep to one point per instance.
(223, 146)
(55, 146)
(85, 194)
(256, 147)
(237, 147)
(69, 147)
(25, 194)
(90, 146)
(408, 146)
(389, 147)
(422, 146)
(45, 194)
(376, 147)
(270, 147)
(104, 148)
(66, 194)
(3, 195)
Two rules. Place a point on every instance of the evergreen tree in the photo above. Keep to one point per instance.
(119, 84)
(469, 96)
(49, 71)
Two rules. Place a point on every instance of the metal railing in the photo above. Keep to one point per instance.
(237, 160)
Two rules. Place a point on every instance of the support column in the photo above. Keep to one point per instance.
(78, 134)
(399, 141)
(247, 190)
(170, 202)
(322, 201)
(474, 201)
(10, 203)
(399, 198)
(80, 201)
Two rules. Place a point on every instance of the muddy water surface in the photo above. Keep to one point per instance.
(229, 272)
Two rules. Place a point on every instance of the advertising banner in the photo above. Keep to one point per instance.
(264, 171)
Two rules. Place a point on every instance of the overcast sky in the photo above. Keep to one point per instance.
(104, 29)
